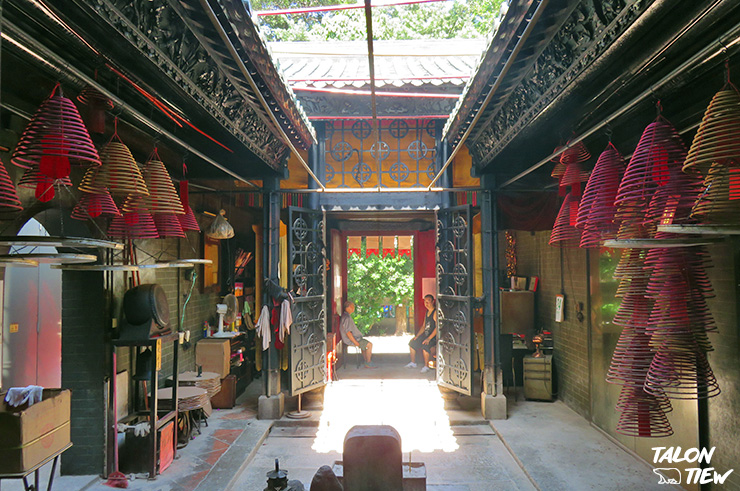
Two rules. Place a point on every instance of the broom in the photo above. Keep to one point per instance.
(116, 479)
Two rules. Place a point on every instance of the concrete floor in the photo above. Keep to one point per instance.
(541, 446)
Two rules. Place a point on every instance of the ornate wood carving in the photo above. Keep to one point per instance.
(317, 104)
(154, 29)
(589, 31)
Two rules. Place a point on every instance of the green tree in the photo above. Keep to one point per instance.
(375, 281)
(442, 20)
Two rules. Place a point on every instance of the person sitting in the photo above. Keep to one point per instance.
(351, 336)
(426, 339)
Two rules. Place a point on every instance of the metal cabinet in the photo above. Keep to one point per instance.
(538, 378)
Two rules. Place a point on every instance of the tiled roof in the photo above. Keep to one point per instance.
(397, 63)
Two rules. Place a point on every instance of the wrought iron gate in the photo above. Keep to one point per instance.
(307, 279)
(454, 299)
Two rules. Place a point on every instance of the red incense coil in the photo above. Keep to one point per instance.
(162, 197)
(94, 205)
(632, 264)
(9, 200)
(54, 139)
(643, 414)
(168, 225)
(564, 232)
(656, 163)
(631, 358)
(133, 225)
(681, 370)
(44, 186)
(188, 221)
(575, 155)
(597, 208)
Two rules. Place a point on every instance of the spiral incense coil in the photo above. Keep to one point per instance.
(597, 209)
(681, 372)
(719, 201)
(119, 173)
(629, 395)
(95, 205)
(162, 197)
(44, 186)
(634, 228)
(656, 162)
(632, 264)
(133, 225)
(54, 139)
(575, 155)
(633, 312)
(188, 221)
(9, 200)
(574, 176)
(717, 141)
(631, 358)
(90, 96)
(188, 399)
(642, 414)
(558, 171)
(168, 225)
(672, 203)
(211, 381)
(564, 232)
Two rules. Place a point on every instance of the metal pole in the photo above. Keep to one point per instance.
(489, 294)
(272, 258)
(316, 161)
(496, 287)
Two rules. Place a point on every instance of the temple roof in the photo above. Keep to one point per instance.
(397, 63)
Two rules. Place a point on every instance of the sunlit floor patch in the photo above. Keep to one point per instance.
(415, 408)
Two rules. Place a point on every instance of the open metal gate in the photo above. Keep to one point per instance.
(454, 299)
(307, 279)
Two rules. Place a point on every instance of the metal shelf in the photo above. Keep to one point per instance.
(661, 243)
(49, 241)
(701, 229)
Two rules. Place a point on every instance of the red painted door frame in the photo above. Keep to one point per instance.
(424, 264)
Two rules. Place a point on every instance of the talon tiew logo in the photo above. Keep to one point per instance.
(694, 475)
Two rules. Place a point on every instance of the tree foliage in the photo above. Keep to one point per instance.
(441, 20)
(375, 281)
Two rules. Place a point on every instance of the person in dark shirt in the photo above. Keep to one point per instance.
(426, 339)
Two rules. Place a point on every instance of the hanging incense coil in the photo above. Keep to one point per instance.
(597, 209)
(168, 225)
(656, 162)
(210, 381)
(631, 358)
(642, 414)
(573, 176)
(9, 200)
(672, 203)
(94, 205)
(188, 221)
(681, 371)
(162, 197)
(119, 173)
(629, 395)
(575, 155)
(717, 141)
(54, 139)
(564, 232)
(97, 104)
(44, 187)
(632, 264)
(558, 171)
(133, 225)
(719, 201)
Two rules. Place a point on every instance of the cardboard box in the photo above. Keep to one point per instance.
(32, 434)
(214, 355)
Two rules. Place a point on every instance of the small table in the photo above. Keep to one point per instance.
(35, 470)
(192, 402)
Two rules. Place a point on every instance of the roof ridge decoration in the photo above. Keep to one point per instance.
(579, 41)
(158, 29)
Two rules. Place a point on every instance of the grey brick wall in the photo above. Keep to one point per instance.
(84, 368)
(560, 271)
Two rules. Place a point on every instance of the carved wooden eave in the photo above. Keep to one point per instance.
(559, 61)
(152, 45)
(244, 35)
